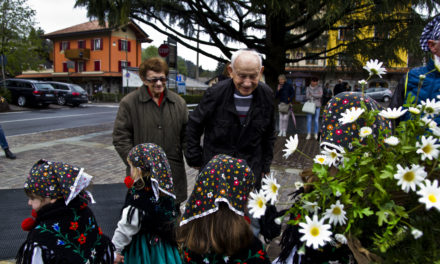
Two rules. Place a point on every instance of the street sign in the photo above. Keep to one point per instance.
(164, 50)
(3, 60)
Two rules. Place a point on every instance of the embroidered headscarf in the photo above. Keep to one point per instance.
(430, 32)
(224, 179)
(57, 180)
(151, 157)
(337, 136)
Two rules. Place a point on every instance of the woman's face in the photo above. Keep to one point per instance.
(38, 203)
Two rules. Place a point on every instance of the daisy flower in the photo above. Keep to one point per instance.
(435, 130)
(416, 233)
(320, 159)
(350, 115)
(430, 194)
(429, 122)
(338, 194)
(311, 207)
(374, 67)
(392, 140)
(336, 214)
(257, 204)
(410, 178)
(365, 131)
(428, 148)
(316, 233)
(291, 145)
(298, 184)
(362, 82)
(270, 188)
(341, 238)
(414, 110)
(332, 156)
(432, 107)
(392, 113)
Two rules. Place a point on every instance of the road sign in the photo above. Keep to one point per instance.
(3, 60)
(164, 50)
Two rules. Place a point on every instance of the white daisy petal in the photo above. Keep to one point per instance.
(416, 233)
(374, 67)
(333, 157)
(350, 115)
(320, 159)
(336, 214)
(393, 113)
(257, 204)
(427, 148)
(270, 188)
(409, 178)
(430, 194)
(311, 207)
(365, 132)
(392, 140)
(291, 145)
(316, 233)
(362, 82)
(341, 238)
(431, 107)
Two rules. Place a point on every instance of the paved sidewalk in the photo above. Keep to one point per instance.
(91, 147)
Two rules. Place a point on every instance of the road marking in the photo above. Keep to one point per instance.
(63, 116)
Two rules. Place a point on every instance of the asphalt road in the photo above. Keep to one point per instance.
(34, 120)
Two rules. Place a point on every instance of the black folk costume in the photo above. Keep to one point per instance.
(65, 231)
(145, 233)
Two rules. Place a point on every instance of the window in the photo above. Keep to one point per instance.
(380, 35)
(123, 64)
(124, 45)
(81, 44)
(80, 67)
(64, 45)
(311, 61)
(97, 65)
(97, 44)
(345, 33)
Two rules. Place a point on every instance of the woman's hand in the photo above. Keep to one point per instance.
(119, 259)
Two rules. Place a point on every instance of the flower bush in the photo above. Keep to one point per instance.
(385, 192)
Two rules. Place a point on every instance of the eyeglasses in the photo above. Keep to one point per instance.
(154, 80)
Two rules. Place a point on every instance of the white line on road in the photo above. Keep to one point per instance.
(53, 117)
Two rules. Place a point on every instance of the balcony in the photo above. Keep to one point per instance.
(77, 54)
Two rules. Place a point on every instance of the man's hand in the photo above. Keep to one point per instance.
(119, 259)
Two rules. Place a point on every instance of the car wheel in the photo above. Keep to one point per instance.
(386, 99)
(61, 100)
(21, 101)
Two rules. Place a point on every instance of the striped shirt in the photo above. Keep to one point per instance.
(242, 105)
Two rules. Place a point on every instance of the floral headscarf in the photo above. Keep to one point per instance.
(224, 179)
(57, 180)
(151, 157)
(335, 135)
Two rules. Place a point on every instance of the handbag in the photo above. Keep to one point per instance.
(309, 107)
(283, 108)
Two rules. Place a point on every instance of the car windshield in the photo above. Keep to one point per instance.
(44, 86)
(77, 88)
(370, 90)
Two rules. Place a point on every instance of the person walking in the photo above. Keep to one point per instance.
(285, 94)
(314, 94)
(5, 146)
(152, 113)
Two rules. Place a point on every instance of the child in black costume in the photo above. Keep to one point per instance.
(65, 229)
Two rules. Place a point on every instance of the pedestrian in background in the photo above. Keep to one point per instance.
(213, 228)
(157, 115)
(327, 94)
(65, 229)
(314, 94)
(145, 233)
(5, 146)
(339, 87)
(285, 94)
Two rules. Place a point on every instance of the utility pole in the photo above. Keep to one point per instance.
(197, 59)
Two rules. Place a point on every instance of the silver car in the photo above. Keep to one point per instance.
(379, 94)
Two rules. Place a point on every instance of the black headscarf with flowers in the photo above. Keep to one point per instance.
(224, 179)
(335, 135)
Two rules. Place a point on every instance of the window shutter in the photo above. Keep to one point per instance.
(76, 66)
(79, 44)
(92, 44)
(64, 66)
(101, 44)
(120, 66)
(97, 66)
(128, 64)
(68, 45)
(84, 66)
(128, 45)
(61, 45)
(119, 44)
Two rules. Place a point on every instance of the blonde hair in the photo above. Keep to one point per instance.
(139, 176)
(222, 232)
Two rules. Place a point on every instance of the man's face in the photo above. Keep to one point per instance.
(434, 46)
(313, 83)
(246, 73)
(281, 81)
(156, 82)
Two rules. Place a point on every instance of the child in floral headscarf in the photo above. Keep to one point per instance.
(213, 228)
(65, 229)
(145, 233)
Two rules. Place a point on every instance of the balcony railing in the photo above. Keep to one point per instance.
(77, 54)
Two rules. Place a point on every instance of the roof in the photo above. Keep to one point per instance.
(93, 27)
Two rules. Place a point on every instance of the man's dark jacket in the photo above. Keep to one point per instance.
(217, 118)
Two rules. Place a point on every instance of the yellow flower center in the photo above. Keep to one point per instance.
(260, 203)
(333, 155)
(336, 211)
(321, 160)
(274, 188)
(427, 148)
(409, 176)
(429, 110)
(314, 231)
(432, 198)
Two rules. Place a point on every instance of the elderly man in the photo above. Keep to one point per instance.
(236, 117)
(429, 41)
(154, 114)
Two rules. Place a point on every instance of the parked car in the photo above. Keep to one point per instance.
(30, 92)
(379, 94)
(69, 93)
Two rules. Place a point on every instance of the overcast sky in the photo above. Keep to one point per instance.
(53, 15)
